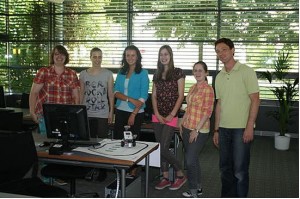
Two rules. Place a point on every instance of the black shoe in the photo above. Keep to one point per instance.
(101, 175)
(90, 174)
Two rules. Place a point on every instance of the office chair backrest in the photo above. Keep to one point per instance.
(11, 121)
(2, 97)
(25, 100)
(18, 155)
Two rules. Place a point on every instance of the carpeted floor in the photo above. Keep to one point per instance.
(273, 173)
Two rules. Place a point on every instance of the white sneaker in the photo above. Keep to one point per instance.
(188, 194)
(60, 182)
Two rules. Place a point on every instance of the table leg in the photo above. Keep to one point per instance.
(123, 183)
(147, 176)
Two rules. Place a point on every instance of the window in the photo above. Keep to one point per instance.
(259, 29)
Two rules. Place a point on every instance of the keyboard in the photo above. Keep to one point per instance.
(80, 143)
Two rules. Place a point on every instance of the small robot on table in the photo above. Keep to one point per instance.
(129, 138)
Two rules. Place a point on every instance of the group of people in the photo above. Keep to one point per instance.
(237, 95)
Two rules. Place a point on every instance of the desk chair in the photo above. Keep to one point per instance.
(24, 100)
(2, 97)
(68, 173)
(19, 166)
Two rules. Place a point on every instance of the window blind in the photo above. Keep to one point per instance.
(259, 29)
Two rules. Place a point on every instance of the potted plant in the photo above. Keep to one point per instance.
(285, 92)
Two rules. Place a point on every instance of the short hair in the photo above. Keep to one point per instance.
(226, 41)
(95, 50)
(62, 50)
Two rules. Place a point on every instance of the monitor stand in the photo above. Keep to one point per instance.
(63, 145)
(60, 147)
(67, 146)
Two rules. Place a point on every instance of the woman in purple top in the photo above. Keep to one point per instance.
(167, 96)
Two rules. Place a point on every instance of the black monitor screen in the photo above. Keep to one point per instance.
(66, 122)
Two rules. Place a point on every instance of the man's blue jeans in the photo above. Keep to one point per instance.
(234, 162)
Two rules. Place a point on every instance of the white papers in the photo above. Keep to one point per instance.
(154, 158)
(113, 149)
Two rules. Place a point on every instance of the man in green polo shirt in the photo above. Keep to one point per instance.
(237, 95)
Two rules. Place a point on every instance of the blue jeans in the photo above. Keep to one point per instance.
(98, 127)
(192, 153)
(234, 162)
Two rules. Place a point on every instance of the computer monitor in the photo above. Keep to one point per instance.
(11, 121)
(67, 123)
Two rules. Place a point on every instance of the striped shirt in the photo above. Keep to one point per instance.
(200, 102)
(57, 88)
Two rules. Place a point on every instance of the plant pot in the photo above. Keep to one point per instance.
(282, 142)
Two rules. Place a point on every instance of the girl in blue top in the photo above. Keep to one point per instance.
(131, 92)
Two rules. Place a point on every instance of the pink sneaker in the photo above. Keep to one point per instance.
(163, 184)
(178, 183)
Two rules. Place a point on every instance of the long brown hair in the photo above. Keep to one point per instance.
(125, 66)
(160, 66)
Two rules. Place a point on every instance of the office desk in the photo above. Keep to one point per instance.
(96, 161)
(24, 110)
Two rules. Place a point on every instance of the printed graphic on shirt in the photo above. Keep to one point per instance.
(95, 92)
